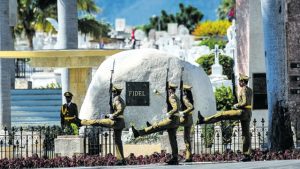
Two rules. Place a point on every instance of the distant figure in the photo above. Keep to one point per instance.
(115, 121)
(242, 111)
(69, 115)
(101, 44)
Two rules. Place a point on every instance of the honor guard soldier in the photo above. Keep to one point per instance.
(69, 114)
(115, 121)
(186, 119)
(242, 112)
(170, 124)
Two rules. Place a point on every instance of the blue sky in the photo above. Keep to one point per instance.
(138, 12)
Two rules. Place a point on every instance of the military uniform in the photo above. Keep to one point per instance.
(116, 121)
(170, 124)
(243, 113)
(69, 115)
(187, 121)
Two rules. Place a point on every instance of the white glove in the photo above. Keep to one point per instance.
(181, 113)
(235, 106)
(167, 115)
(110, 116)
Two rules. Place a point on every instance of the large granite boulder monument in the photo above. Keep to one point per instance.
(146, 101)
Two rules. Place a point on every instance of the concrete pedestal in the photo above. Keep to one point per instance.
(69, 145)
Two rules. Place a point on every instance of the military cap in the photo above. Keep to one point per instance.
(172, 86)
(243, 77)
(186, 87)
(68, 94)
(116, 88)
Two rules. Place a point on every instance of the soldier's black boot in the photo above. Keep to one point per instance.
(135, 132)
(188, 160)
(121, 162)
(200, 118)
(173, 161)
(148, 124)
(246, 158)
(79, 123)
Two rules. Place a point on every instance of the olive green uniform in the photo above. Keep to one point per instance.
(187, 122)
(117, 123)
(170, 124)
(243, 113)
(69, 117)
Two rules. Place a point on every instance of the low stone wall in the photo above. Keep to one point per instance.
(141, 149)
(69, 145)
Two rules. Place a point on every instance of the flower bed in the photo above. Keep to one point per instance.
(76, 161)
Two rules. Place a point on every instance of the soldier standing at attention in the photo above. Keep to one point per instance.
(242, 112)
(69, 114)
(186, 119)
(115, 121)
(170, 124)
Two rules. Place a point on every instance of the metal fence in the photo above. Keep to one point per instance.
(99, 141)
(219, 137)
(19, 142)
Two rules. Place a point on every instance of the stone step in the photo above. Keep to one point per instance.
(36, 92)
(30, 103)
(36, 108)
(35, 97)
(44, 114)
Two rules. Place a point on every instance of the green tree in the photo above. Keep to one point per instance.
(206, 61)
(188, 16)
(225, 9)
(33, 13)
(89, 25)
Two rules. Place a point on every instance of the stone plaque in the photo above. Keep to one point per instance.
(260, 100)
(137, 94)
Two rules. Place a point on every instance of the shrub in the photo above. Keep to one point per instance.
(225, 100)
(211, 42)
(212, 28)
(206, 61)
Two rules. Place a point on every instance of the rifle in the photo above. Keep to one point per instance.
(169, 107)
(110, 89)
(233, 84)
(183, 107)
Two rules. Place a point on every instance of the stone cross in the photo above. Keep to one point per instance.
(216, 51)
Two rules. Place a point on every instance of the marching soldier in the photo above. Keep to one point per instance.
(115, 121)
(69, 114)
(242, 112)
(186, 120)
(170, 124)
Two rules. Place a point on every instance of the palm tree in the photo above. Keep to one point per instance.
(89, 25)
(6, 43)
(226, 9)
(280, 134)
(33, 14)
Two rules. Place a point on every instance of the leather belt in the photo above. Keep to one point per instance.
(247, 107)
(69, 118)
